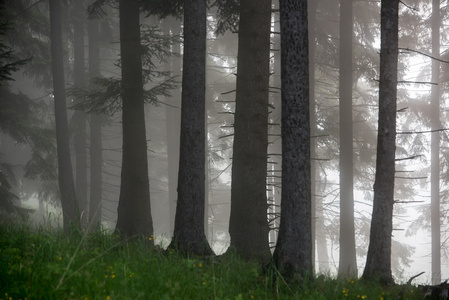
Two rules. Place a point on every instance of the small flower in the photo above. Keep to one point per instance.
(60, 258)
(131, 275)
(204, 282)
(108, 297)
(200, 265)
(113, 276)
(364, 297)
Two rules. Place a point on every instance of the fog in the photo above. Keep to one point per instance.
(411, 250)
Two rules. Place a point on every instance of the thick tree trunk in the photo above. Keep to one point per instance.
(189, 233)
(293, 254)
(435, 147)
(96, 161)
(378, 262)
(70, 210)
(347, 263)
(248, 225)
(134, 209)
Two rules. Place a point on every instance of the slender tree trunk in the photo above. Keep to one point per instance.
(172, 116)
(189, 233)
(435, 146)
(248, 225)
(348, 262)
(378, 261)
(80, 118)
(96, 160)
(293, 254)
(70, 210)
(134, 209)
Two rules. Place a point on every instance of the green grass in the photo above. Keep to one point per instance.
(43, 263)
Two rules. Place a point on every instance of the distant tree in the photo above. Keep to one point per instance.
(96, 161)
(347, 263)
(189, 235)
(80, 117)
(69, 203)
(134, 209)
(248, 225)
(293, 253)
(435, 146)
(378, 262)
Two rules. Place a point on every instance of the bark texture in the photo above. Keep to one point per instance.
(70, 210)
(134, 210)
(378, 262)
(248, 225)
(347, 263)
(293, 254)
(189, 236)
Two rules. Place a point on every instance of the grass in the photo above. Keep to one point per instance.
(44, 263)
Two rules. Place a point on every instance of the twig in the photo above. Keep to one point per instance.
(425, 54)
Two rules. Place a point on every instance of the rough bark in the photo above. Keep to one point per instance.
(96, 156)
(435, 147)
(189, 236)
(293, 253)
(248, 225)
(348, 262)
(69, 203)
(378, 262)
(134, 210)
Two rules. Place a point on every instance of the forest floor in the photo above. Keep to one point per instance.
(43, 263)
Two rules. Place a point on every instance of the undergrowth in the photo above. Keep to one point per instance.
(43, 263)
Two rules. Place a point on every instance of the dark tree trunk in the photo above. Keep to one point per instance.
(348, 262)
(248, 225)
(134, 209)
(79, 117)
(378, 262)
(70, 210)
(435, 147)
(293, 254)
(189, 233)
(96, 160)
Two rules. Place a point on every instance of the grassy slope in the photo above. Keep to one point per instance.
(44, 264)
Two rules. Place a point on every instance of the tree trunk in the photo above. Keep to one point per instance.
(189, 233)
(248, 225)
(70, 210)
(172, 116)
(435, 146)
(96, 161)
(348, 262)
(79, 117)
(134, 209)
(378, 262)
(293, 254)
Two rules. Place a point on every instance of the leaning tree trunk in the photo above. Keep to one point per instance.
(70, 210)
(348, 262)
(189, 233)
(248, 225)
(293, 254)
(378, 261)
(435, 147)
(134, 209)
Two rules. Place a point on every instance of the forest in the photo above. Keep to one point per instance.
(305, 135)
